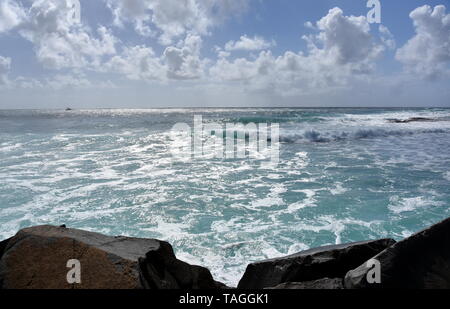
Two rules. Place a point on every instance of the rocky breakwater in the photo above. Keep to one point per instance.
(320, 268)
(421, 261)
(37, 258)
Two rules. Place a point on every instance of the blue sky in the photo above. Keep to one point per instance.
(171, 53)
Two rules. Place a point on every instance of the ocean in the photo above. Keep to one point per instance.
(343, 175)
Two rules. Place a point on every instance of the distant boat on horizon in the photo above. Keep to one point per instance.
(69, 109)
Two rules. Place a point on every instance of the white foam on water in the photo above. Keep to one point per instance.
(334, 225)
(272, 199)
(128, 183)
(447, 175)
(267, 202)
(8, 147)
(240, 226)
(308, 201)
(400, 205)
(172, 230)
(339, 189)
(278, 189)
(298, 247)
(406, 233)
(301, 160)
(228, 264)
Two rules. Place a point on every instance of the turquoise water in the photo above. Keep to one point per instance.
(344, 175)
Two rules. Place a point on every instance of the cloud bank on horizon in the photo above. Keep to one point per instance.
(170, 53)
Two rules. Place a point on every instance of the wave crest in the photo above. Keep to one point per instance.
(327, 137)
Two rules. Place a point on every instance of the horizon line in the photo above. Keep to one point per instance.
(229, 107)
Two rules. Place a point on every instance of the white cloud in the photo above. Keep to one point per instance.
(387, 37)
(61, 82)
(184, 62)
(136, 11)
(62, 42)
(345, 39)
(428, 52)
(137, 63)
(79, 81)
(242, 69)
(68, 81)
(5, 66)
(173, 18)
(249, 44)
(178, 62)
(11, 15)
(343, 50)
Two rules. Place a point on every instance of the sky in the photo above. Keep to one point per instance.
(224, 53)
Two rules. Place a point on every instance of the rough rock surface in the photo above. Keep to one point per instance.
(421, 261)
(3, 245)
(314, 264)
(161, 270)
(322, 284)
(36, 258)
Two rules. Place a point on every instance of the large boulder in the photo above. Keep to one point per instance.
(3, 245)
(36, 258)
(160, 269)
(421, 261)
(310, 265)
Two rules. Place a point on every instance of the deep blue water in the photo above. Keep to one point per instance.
(344, 175)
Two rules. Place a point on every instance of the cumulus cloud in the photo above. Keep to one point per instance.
(178, 62)
(428, 52)
(343, 49)
(61, 82)
(387, 37)
(242, 69)
(249, 44)
(5, 65)
(12, 14)
(345, 39)
(172, 19)
(68, 81)
(137, 63)
(60, 40)
(184, 62)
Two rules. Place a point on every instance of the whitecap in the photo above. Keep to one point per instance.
(399, 205)
(447, 175)
(338, 190)
(308, 201)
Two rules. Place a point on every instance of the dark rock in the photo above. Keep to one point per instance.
(421, 261)
(161, 270)
(314, 264)
(322, 284)
(3, 245)
(36, 258)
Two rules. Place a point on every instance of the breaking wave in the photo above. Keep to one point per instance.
(327, 137)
